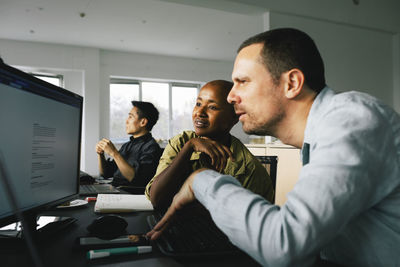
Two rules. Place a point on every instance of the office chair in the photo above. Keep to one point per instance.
(270, 163)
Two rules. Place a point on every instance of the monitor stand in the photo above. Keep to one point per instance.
(25, 244)
(40, 227)
(50, 225)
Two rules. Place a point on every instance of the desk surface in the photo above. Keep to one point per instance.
(62, 250)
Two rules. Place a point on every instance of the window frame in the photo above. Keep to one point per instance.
(49, 75)
(171, 84)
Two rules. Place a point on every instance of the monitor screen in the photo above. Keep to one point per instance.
(40, 142)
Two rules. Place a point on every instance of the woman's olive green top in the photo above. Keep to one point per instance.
(246, 168)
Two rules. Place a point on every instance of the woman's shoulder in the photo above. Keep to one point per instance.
(237, 145)
(241, 152)
(179, 140)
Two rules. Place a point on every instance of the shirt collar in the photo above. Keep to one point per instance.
(142, 137)
(316, 112)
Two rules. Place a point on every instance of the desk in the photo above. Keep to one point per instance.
(61, 249)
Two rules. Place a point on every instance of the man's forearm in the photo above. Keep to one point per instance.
(102, 163)
(232, 208)
(127, 170)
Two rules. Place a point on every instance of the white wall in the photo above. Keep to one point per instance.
(355, 58)
(81, 68)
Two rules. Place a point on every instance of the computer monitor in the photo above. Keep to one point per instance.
(40, 130)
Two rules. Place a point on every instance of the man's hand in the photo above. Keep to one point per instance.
(106, 146)
(182, 198)
(218, 153)
(99, 150)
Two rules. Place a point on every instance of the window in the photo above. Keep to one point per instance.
(50, 78)
(121, 95)
(174, 101)
(158, 94)
(183, 101)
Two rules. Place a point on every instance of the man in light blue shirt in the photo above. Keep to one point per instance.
(345, 207)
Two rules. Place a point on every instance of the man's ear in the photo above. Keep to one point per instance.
(143, 121)
(294, 81)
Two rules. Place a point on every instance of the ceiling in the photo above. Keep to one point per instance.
(208, 29)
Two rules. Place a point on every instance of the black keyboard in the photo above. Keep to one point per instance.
(94, 189)
(190, 236)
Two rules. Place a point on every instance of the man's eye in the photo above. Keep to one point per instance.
(213, 107)
(198, 104)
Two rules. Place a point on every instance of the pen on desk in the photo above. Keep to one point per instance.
(102, 253)
(119, 240)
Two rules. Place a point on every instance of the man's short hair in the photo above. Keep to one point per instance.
(287, 48)
(147, 110)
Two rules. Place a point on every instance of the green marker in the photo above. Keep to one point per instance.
(102, 253)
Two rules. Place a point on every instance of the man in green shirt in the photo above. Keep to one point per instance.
(209, 145)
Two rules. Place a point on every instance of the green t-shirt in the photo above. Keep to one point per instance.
(246, 168)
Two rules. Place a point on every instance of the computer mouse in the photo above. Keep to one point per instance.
(108, 226)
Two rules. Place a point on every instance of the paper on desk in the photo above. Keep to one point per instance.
(121, 203)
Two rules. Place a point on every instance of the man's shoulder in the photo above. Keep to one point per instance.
(334, 111)
(151, 142)
(146, 143)
(358, 107)
(355, 101)
(349, 117)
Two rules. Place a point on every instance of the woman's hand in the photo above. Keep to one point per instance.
(217, 152)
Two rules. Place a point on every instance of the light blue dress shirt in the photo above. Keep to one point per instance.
(345, 206)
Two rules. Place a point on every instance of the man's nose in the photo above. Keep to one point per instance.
(231, 98)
